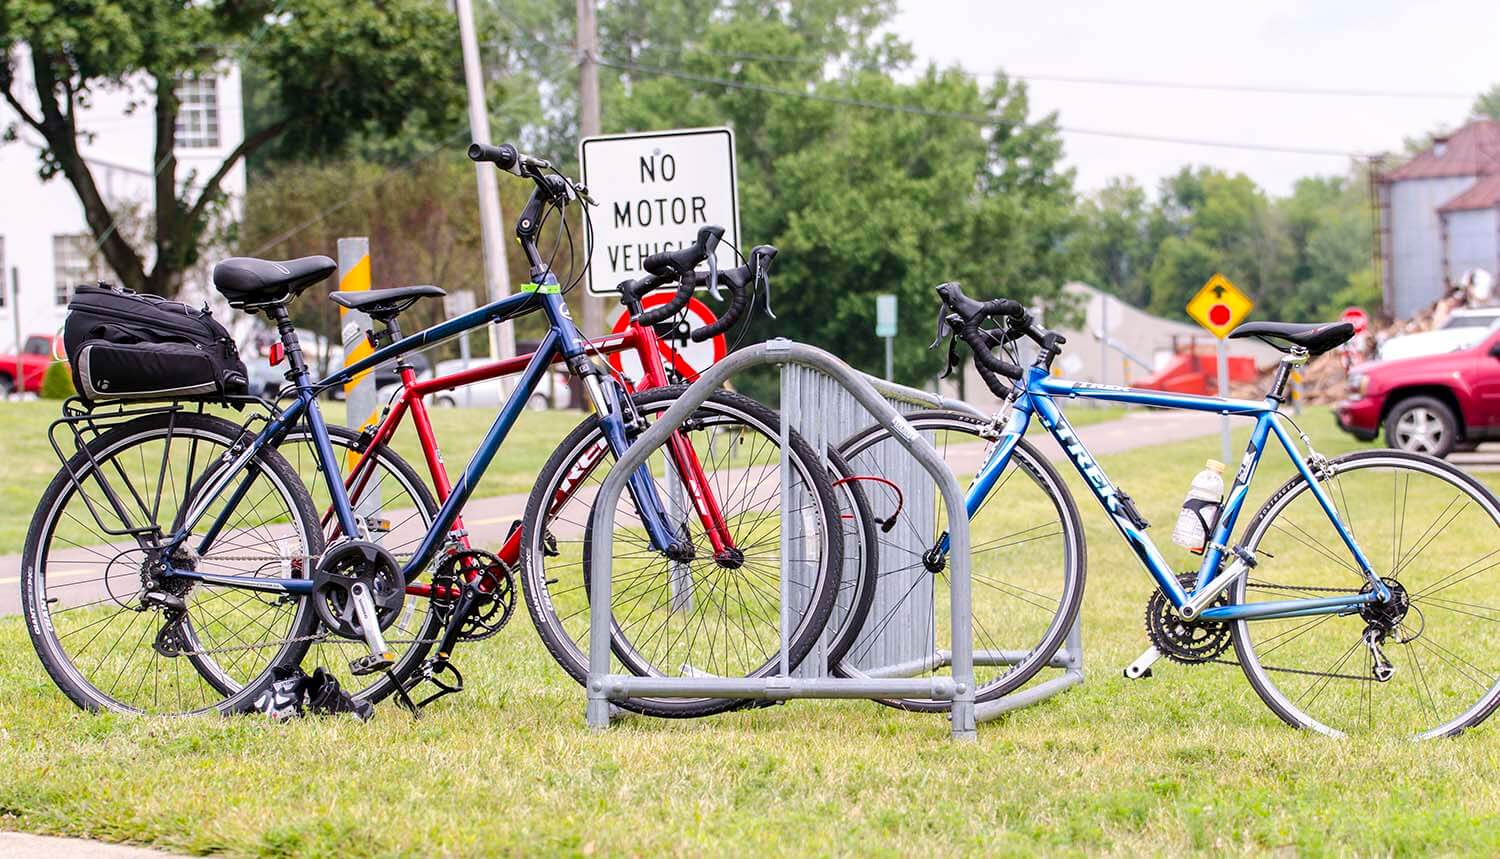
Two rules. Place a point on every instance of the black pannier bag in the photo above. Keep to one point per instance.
(124, 346)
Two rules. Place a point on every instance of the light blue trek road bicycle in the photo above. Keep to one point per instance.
(1363, 597)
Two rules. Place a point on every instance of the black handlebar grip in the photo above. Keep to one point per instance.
(739, 299)
(979, 344)
(671, 308)
(684, 260)
(503, 156)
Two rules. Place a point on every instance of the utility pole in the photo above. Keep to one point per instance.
(496, 267)
(588, 126)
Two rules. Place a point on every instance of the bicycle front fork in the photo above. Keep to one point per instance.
(610, 405)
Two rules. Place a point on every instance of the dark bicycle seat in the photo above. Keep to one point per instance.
(249, 282)
(1316, 338)
(382, 304)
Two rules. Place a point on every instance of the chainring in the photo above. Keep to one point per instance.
(352, 562)
(497, 585)
(1190, 642)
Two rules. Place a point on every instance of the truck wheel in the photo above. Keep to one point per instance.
(7, 386)
(1422, 425)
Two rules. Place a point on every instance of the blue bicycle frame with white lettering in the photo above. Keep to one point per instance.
(1036, 398)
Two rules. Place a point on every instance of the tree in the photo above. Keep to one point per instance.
(334, 69)
(1488, 103)
(1115, 242)
(955, 182)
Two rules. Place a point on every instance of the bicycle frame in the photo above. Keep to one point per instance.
(1036, 399)
(562, 342)
(641, 339)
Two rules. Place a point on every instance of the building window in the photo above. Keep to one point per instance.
(73, 262)
(198, 113)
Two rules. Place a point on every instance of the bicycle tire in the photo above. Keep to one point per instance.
(86, 464)
(1310, 573)
(1074, 561)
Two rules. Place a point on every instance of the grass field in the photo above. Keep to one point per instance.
(1187, 762)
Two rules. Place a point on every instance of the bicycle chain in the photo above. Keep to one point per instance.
(1304, 672)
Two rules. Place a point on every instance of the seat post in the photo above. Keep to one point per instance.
(1294, 358)
(296, 367)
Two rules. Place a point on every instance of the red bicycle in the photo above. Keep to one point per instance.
(711, 609)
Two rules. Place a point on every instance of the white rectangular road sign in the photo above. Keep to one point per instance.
(655, 190)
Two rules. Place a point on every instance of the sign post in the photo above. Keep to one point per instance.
(457, 304)
(885, 326)
(1219, 306)
(656, 190)
(15, 318)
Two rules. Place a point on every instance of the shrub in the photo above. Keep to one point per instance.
(57, 384)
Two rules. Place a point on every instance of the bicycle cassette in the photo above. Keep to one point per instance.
(1190, 642)
(497, 592)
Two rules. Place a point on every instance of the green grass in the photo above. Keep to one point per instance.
(1187, 762)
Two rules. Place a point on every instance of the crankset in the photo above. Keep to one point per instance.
(348, 567)
(1189, 642)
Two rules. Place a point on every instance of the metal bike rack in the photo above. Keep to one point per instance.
(826, 416)
(825, 400)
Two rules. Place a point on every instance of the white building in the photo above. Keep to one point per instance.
(45, 245)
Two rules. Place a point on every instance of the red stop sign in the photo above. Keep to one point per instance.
(1219, 314)
(1356, 317)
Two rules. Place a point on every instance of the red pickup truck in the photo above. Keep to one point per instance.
(1432, 404)
(36, 355)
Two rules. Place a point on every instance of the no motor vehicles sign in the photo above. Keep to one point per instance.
(655, 190)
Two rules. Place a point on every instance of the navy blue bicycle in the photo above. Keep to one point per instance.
(1362, 597)
(178, 560)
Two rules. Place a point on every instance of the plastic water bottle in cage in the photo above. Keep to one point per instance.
(1200, 510)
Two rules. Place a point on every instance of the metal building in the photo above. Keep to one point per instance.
(1440, 217)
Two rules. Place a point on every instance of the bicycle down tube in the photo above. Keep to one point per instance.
(1037, 400)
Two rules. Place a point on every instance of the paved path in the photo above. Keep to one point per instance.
(17, 845)
(489, 519)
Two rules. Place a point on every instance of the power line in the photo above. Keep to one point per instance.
(1143, 83)
(983, 119)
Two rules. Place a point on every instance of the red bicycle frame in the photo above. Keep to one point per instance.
(649, 349)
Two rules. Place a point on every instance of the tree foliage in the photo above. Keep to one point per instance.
(1302, 257)
(333, 70)
(1488, 103)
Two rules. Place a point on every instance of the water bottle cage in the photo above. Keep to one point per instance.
(1128, 509)
(1196, 506)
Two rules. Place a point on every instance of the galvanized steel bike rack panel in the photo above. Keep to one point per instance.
(603, 686)
(903, 642)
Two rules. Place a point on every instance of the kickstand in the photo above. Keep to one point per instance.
(430, 672)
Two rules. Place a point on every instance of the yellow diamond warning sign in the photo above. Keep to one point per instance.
(1219, 306)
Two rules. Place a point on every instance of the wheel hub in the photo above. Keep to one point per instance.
(1389, 614)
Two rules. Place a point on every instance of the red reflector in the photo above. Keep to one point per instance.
(278, 352)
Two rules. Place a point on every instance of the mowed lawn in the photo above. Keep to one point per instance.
(1189, 761)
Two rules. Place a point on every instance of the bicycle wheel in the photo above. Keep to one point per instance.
(1027, 566)
(699, 617)
(1433, 534)
(398, 509)
(102, 640)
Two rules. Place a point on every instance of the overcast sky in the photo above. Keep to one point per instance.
(1387, 45)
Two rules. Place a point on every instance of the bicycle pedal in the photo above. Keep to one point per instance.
(371, 663)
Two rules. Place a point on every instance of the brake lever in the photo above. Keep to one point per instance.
(581, 191)
(762, 276)
(944, 327)
(713, 277)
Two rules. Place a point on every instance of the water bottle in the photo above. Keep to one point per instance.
(1201, 507)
